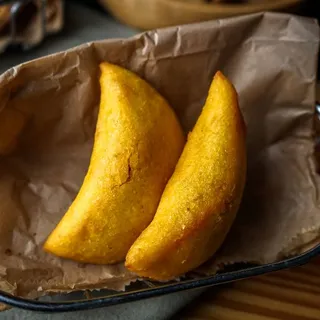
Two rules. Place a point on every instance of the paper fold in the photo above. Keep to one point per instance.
(271, 59)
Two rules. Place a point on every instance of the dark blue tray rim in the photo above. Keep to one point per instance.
(40, 306)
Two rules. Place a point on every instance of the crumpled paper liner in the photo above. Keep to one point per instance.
(270, 58)
(32, 33)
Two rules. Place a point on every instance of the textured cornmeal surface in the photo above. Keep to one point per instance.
(137, 144)
(202, 197)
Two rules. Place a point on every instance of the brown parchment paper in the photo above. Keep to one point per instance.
(271, 59)
(32, 33)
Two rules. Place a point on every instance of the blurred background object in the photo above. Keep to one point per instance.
(301, 7)
(27, 22)
(150, 14)
(84, 21)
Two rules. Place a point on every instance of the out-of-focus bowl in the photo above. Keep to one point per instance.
(151, 14)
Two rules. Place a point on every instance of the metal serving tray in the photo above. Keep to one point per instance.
(107, 298)
(148, 289)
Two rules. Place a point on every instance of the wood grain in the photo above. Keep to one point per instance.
(292, 294)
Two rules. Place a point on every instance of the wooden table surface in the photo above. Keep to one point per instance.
(292, 294)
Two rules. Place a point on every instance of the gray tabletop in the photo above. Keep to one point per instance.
(83, 25)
